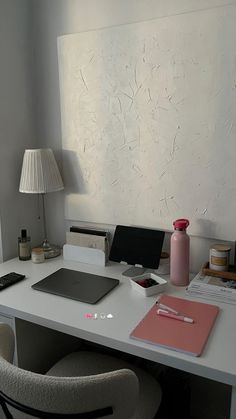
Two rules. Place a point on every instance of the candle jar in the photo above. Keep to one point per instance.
(37, 255)
(219, 257)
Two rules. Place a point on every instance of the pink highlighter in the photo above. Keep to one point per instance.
(181, 317)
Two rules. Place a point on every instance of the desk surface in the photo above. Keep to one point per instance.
(127, 307)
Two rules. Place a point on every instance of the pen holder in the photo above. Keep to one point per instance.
(138, 284)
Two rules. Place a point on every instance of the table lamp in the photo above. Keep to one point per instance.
(40, 175)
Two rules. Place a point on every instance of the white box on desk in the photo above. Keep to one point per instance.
(91, 241)
(154, 289)
(84, 255)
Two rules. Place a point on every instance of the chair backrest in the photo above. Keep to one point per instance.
(113, 394)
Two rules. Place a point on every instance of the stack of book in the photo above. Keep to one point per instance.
(213, 288)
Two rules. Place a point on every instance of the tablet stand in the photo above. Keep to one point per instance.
(134, 271)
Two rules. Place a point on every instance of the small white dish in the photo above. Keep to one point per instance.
(154, 289)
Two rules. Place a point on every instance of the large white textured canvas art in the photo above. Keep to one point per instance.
(148, 122)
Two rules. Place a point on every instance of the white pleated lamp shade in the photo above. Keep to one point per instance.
(40, 173)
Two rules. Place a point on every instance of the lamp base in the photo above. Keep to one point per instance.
(50, 250)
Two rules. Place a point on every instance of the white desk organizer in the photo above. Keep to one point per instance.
(84, 255)
(154, 289)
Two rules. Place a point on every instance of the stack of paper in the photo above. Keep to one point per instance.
(86, 245)
(87, 240)
(213, 288)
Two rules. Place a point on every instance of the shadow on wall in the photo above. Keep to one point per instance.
(206, 227)
(72, 173)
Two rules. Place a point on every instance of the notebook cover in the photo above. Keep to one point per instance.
(189, 338)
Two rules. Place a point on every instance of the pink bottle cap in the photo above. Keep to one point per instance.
(181, 223)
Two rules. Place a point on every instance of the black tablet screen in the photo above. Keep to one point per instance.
(137, 246)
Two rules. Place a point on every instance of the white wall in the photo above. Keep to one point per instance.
(56, 17)
(17, 210)
(147, 119)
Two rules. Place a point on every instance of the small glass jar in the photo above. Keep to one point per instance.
(37, 255)
(219, 257)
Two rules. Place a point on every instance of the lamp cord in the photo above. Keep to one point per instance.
(39, 216)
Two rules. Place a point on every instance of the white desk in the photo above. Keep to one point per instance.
(218, 361)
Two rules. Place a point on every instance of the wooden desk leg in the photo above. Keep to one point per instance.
(233, 404)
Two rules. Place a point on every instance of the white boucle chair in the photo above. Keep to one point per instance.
(82, 385)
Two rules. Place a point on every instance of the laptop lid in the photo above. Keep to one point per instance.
(76, 285)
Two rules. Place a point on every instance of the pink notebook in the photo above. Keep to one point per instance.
(189, 338)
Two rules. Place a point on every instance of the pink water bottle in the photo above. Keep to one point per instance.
(179, 253)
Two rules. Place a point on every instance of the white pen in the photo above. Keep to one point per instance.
(167, 308)
(182, 318)
(170, 309)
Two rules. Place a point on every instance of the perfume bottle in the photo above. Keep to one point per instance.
(24, 248)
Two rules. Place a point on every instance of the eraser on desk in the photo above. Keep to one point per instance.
(84, 255)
